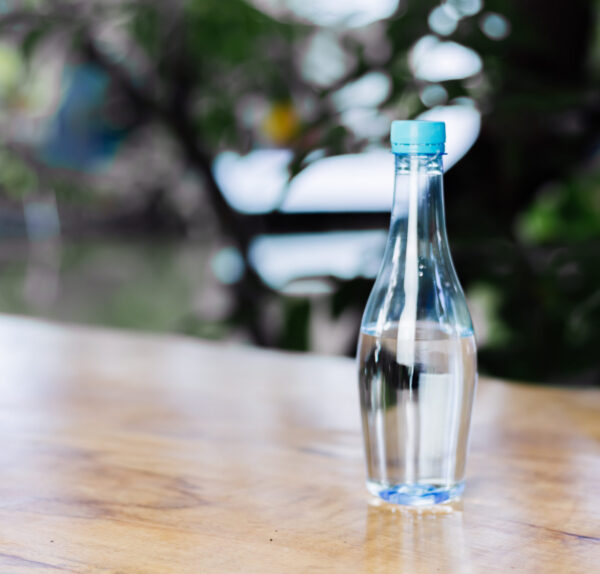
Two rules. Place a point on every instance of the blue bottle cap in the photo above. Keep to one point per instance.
(418, 136)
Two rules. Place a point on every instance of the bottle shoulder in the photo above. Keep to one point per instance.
(437, 299)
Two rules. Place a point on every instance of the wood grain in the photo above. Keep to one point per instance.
(126, 453)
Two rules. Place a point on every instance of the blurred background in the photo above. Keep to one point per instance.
(221, 168)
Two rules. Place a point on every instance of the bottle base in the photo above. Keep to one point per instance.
(416, 494)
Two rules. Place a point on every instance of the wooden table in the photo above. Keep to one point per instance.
(126, 453)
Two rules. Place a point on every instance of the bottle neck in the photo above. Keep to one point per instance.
(418, 208)
(417, 283)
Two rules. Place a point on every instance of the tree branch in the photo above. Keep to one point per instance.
(175, 118)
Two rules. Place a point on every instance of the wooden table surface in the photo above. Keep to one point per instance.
(127, 453)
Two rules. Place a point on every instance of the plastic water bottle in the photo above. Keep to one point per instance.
(417, 354)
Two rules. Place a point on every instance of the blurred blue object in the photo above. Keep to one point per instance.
(81, 135)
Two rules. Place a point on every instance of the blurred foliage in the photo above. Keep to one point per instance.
(140, 284)
(523, 205)
(566, 211)
(16, 176)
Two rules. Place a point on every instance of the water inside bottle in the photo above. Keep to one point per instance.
(416, 412)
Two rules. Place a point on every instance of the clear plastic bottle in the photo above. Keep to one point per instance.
(417, 354)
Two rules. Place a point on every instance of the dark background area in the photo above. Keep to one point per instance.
(192, 166)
